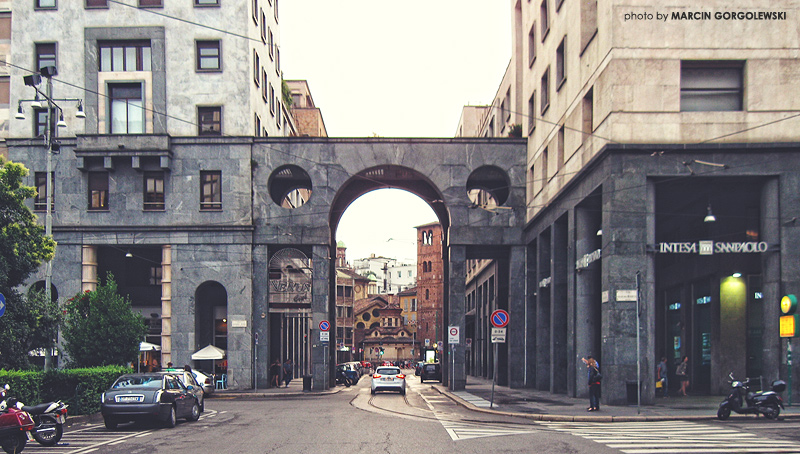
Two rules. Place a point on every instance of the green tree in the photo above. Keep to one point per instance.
(23, 245)
(23, 248)
(100, 329)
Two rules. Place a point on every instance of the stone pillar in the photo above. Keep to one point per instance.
(586, 311)
(321, 354)
(517, 311)
(88, 268)
(456, 316)
(542, 289)
(625, 236)
(166, 304)
(558, 308)
(774, 358)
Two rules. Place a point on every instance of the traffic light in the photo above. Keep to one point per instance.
(381, 353)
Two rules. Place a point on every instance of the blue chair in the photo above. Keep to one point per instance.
(222, 382)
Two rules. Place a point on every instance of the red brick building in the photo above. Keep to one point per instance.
(430, 285)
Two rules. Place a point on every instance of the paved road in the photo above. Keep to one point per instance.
(354, 421)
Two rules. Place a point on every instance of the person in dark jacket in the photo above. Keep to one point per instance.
(594, 385)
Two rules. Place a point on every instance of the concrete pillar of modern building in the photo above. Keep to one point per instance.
(585, 312)
(558, 307)
(261, 317)
(321, 354)
(456, 315)
(542, 288)
(531, 365)
(774, 353)
(627, 223)
(517, 311)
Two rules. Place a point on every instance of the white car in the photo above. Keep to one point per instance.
(388, 378)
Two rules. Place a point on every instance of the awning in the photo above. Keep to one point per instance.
(208, 352)
(147, 346)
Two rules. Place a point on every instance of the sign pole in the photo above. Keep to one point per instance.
(789, 367)
(638, 344)
(494, 375)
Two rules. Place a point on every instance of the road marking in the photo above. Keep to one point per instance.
(466, 431)
(673, 437)
(473, 399)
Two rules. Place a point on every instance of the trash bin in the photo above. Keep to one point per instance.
(306, 382)
(630, 386)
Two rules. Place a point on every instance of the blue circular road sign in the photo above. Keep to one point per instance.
(324, 325)
(499, 318)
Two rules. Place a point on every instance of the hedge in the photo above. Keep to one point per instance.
(80, 388)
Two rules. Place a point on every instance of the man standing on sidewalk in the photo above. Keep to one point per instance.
(288, 371)
(662, 375)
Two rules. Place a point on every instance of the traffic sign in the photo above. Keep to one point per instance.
(499, 318)
(453, 337)
(498, 335)
(2, 304)
(324, 325)
(324, 336)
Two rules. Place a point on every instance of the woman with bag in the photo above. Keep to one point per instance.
(594, 384)
(682, 375)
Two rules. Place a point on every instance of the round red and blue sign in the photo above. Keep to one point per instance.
(324, 325)
(499, 318)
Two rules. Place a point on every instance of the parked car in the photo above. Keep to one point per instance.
(430, 371)
(356, 365)
(388, 378)
(206, 380)
(188, 379)
(349, 372)
(148, 396)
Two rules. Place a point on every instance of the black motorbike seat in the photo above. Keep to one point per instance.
(36, 409)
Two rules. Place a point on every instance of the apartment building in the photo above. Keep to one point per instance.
(307, 116)
(195, 68)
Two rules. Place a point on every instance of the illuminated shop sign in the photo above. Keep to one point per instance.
(712, 247)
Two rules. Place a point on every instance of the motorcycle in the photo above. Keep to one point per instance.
(342, 378)
(15, 424)
(48, 419)
(743, 401)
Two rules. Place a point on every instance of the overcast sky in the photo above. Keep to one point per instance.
(394, 69)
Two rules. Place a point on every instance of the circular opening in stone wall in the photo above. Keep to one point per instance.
(290, 186)
(488, 187)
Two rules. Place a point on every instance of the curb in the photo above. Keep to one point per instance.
(568, 418)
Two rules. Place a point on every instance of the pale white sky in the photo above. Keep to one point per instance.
(395, 69)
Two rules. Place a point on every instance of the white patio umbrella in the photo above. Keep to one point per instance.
(209, 352)
(145, 347)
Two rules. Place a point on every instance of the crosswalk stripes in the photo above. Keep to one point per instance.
(465, 431)
(668, 437)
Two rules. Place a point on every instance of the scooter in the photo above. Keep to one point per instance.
(15, 424)
(48, 419)
(741, 400)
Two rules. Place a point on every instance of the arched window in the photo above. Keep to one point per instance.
(427, 294)
(430, 236)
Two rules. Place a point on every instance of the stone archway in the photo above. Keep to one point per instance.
(440, 171)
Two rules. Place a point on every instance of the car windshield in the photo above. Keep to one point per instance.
(150, 381)
(388, 371)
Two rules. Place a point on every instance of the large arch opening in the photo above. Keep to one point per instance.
(393, 222)
(211, 323)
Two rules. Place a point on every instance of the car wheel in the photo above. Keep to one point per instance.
(195, 415)
(421, 380)
(403, 392)
(110, 423)
(203, 404)
(171, 419)
(373, 392)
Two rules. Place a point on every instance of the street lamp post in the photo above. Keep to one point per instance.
(52, 146)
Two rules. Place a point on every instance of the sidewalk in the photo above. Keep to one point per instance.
(546, 406)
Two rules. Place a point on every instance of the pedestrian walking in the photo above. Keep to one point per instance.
(594, 384)
(288, 371)
(661, 376)
(683, 375)
(275, 374)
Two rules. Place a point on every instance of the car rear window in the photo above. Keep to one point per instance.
(430, 367)
(388, 371)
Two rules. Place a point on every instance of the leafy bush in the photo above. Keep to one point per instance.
(80, 388)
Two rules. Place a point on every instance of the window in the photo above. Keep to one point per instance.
(561, 65)
(45, 55)
(276, 10)
(263, 27)
(45, 4)
(125, 56)
(40, 121)
(507, 109)
(154, 191)
(126, 107)
(588, 115)
(545, 19)
(209, 56)
(98, 190)
(532, 45)
(255, 11)
(545, 91)
(558, 5)
(258, 126)
(427, 294)
(271, 100)
(206, 2)
(544, 165)
(560, 151)
(278, 61)
(270, 44)
(264, 85)
(40, 201)
(211, 190)
(149, 3)
(256, 66)
(209, 121)
(97, 3)
(708, 86)
(532, 112)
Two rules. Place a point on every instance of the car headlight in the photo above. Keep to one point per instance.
(103, 397)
